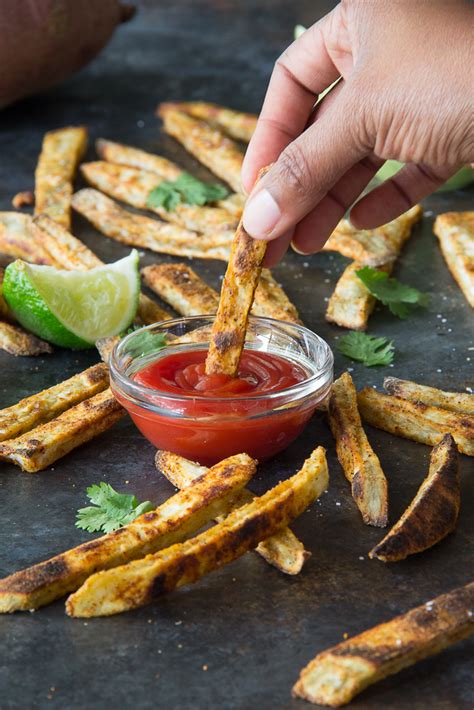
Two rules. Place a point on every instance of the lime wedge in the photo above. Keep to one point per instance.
(73, 309)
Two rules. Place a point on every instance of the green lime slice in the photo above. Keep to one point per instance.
(73, 309)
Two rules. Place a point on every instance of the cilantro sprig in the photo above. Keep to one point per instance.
(186, 188)
(400, 298)
(367, 349)
(110, 510)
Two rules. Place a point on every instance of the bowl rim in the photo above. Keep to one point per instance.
(141, 394)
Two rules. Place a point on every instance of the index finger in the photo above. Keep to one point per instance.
(303, 71)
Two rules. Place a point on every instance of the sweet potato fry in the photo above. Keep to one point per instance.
(433, 512)
(373, 246)
(236, 124)
(133, 187)
(211, 147)
(416, 421)
(174, 520)
(136, 158)
(16, 341)
(351, 303)
(142, 581)
(337, 675)
(361, 465)
(454, 401)
(283, 550)
(57, 164)
(39, 448)
(182, 288)
(148, 233)
(19, 239)
(272, 302)
(455, 231)
(42, 407)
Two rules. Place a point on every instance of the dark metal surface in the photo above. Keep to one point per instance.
(237, 639)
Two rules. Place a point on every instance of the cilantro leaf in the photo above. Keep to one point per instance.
(366, 348)
(110, 510)
(400, 298)
(145, 343)
(186, 188)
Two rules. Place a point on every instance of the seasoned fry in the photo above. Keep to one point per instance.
(361, 465)
(454, 401)
(183, 514)
(148, 233)
(42, 407)
(39, 448)
(106, 345)
(25, 198)
(373, 246)
(455, 231)
(16, 341)
(432, 514)
(283, 550)
(133, 187)
(237, 294)
(57, 164)
(337, 675)
(142, 581)
(351, 303)
(19, 239)
(211, 147)
(416, 421)
(68, 252)
(272, 302)
(182, 288)
(236, 124)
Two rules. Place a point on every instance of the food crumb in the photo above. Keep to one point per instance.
(150, 621)
(337, 503)
(345, 635)
(205, 667)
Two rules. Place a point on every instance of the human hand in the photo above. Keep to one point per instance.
(405, 94)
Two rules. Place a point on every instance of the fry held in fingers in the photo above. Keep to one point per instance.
(455, 232)
(141, 582)
(283, 550)
(337, 675)
(60, 155)
(361, 465)
(434, 511)
(454, 401)
(16, 341)
(178, 517)
(416, 421)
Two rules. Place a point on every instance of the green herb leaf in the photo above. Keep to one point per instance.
(110, 510)
(145, 343)
(400, 298)
(186, 188)
(366, 348)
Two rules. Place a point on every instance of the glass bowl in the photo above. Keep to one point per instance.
(207, 429)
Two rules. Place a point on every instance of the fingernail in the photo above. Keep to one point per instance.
(298, 251)
(261, 215)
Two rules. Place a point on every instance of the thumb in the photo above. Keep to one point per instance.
(306, 171)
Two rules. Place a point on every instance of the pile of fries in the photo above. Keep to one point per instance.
(165, 549)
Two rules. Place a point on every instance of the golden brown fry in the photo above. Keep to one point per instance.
(40, 447)
(148, 233)
(25, 198)
(42, 407)
(432, 514)
(16, 341)
(272, 302)
(234, 204)
(337, 675)
(182, 288)
(57, 164)
(283, 550)
(211, 147)
(373, 246)
(174, 520)
(133, 187)
(416, 421)
(455, 231)
(361, 465)
(236, 124)
(351, 303)
(142, 581)
(454, 401)
(19, 239)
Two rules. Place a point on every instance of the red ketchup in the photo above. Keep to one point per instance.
(209, 417)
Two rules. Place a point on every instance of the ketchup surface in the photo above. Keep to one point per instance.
(216, 419)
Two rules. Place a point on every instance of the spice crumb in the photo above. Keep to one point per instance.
(205, 667)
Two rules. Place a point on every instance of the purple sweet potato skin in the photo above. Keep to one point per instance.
(44, 41)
